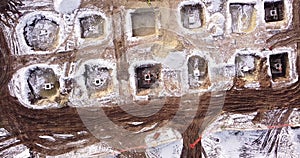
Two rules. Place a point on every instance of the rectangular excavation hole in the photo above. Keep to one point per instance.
(274, 11)
(245, 65)
(41, 33)
(43, 84)
(92, 26)
(143, 22)
(197, 71)
(148, 76)
(279, 65)
(192, 16)
(241, 15)
(97, 78)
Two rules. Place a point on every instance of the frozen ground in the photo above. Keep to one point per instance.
(203, 42)
(232, 135)
(164, 143)
(236, 135)
(66, 6)
(96, 150)
(11, 147)
(257, 143)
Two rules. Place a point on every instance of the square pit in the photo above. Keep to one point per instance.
(147, 78)
(98, 80)
(192, 16)
(242, 17)
(274, 11)
(92, 26)
(43, 85)
(143, 22)
(279, 66)
(41, 34)
(197, 71)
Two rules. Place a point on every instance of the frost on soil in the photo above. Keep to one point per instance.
(66, 6)
(236, 135)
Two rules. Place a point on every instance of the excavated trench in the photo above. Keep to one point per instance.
(28, 124)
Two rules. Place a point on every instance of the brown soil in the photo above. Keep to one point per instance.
(27, 124)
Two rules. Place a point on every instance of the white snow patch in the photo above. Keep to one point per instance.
(217, 24)
(77, 143)
(3, 132)
(20, 151)
(82, 132)
(63, 136)
(49, 138)
(170, 150)
(254, 85)
(234, 135)
(8, 142)
(42, 146)
(146, 128)
(24, 154)
(294, 118)
(66, 6)
(136, 123)
(162, 136)
(179, 57)
(235, 144)
(95, 150)
(164, 143)
(213, 5)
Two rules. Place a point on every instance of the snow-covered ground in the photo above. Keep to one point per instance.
(257, 143)
(19, 151)
(164, 143)
(96, 150)
(3, 133)
(217, 23)
(236, 135)
(66, 14)
(170, 150)
(15, 151)
(66, 6)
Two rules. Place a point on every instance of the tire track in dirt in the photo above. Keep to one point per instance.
(27, 124)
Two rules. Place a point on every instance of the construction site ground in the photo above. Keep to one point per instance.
(27, 125)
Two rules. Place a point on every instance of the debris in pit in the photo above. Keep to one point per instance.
(97, 79)
(192, 16)
(43, 84)
(41, 34)
(197, 71)
(92, 26)
(279, 66)
(274, 11)
(242, 16)
(147, 76)
(251, 71)
(245, 64)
